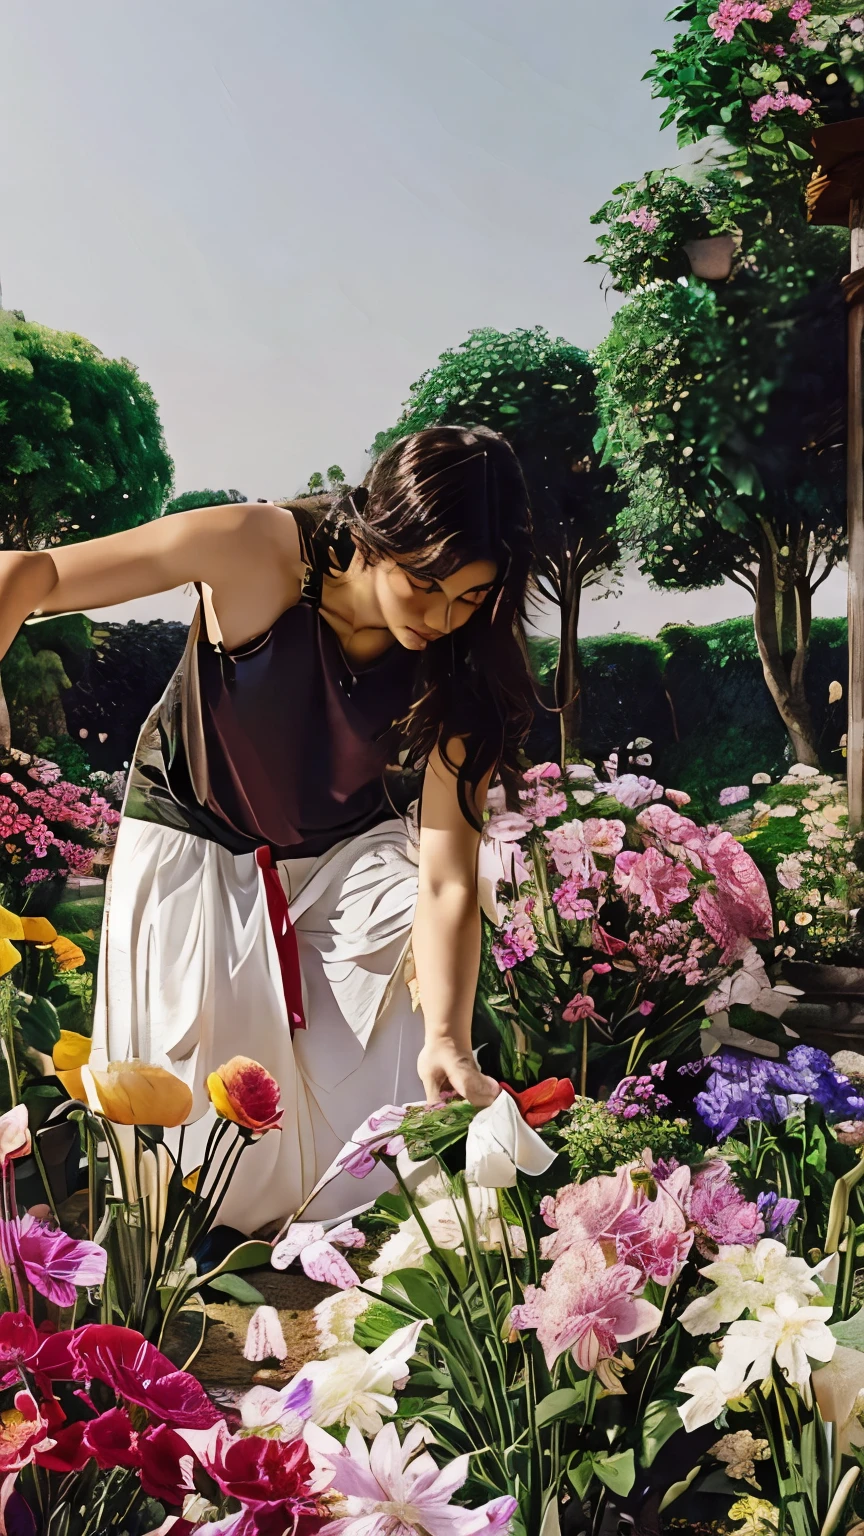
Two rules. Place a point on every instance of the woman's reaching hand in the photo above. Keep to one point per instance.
(445, 1068)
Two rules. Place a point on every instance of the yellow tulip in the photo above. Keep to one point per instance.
(38, 930)
(139, 1093)
(67, 954)
(11, 927)
(73, 1083)
(71, 1051)
(9, 956)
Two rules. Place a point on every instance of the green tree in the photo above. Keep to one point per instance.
(540, 393)
(335, 477)
(189, 501)
(723, 410)
(81, 446)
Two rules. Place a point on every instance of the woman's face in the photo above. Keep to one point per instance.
(421, 609)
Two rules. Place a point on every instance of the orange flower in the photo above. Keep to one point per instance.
(9, 956)
(67, 954)
(540, 1104)
(38, 930)
(244, 1091)
(70, 1054)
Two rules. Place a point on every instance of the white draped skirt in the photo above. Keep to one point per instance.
(189, 976)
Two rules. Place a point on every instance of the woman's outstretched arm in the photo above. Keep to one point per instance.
(247, 553)
(446, 939)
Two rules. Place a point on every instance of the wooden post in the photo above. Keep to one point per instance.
(855, 494)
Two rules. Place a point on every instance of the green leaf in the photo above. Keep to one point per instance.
(675, 1490)
(251, 1255)
(375, 1325)
(660, 1421)
(798, 151)
(618, 1471)
(772, 135)
(581, 1474)
(40, 1025)
(238, 1288)
(851, 1332)
(558, 1404)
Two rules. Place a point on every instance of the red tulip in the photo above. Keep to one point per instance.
(138, 1372)
(540, 1104)
(243, 1091)
(111, 1440)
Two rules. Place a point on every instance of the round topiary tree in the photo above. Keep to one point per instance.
(539, 391)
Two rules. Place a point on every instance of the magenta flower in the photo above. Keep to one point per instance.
(716, 1205)
(390, 1489)
(730, 14)
(585, 1306)
(377, 1134)
(655, 1235)
(140, 1373)
(581, 1007)
(657, 882)
(53, 1263)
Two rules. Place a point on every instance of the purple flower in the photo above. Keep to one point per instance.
(53, 1263)
(776, 1210)
(743, 1087)
(733, 793)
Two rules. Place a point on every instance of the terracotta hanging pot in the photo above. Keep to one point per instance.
(711, 258)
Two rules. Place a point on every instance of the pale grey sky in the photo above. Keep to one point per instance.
(283, 210)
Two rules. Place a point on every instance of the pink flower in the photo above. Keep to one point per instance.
(741, 905)
(641, 218)
(264, 1337)
(777, 103)
(603, 836)
(570, 853)
(635, 789)
(14, 1134)
(733, 793)
(585, 1306)
(646, 1007)
(377, 1134)
(718, 1208)
(549, 771)
(540, 804)
(730, 14)
(799, 10)
(601, 968)
(654, 1235)
(658, 882)
(571, 906)
(268, 1475)
(581, 1007)
(672, 829)
(397, 1490)
(53, 1263)
(677, 796)
(20, 1434)
(584, 1213)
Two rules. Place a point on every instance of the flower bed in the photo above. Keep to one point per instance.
(48, 828)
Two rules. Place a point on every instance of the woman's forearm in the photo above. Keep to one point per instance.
(446, 946)
(26, 580)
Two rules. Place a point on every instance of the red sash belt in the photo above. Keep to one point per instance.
(286, 939)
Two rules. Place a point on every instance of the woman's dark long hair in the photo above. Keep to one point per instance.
(434, 502)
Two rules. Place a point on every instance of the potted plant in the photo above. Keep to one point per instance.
(666, 226)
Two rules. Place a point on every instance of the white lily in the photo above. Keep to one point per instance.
(788, 1333)
(709, 1391)
(745, 1279)
(499, 1142)
(839, 1391)
(355, 1388)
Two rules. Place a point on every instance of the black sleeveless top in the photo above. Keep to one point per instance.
(282, 742)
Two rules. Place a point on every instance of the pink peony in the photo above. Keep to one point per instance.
(585, 1306)
(741, 890)
(716, 1205)
(570, 853)
(604, 837)
(658, 882)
